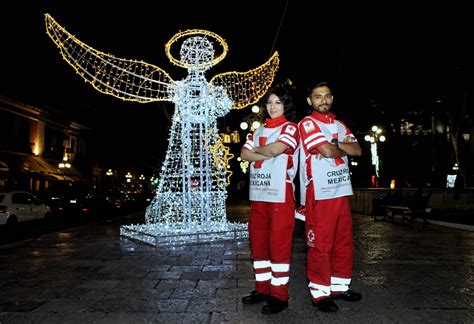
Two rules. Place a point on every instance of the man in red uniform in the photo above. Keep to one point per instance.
(325, 144)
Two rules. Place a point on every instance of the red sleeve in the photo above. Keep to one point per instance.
(249, 143)
(311, 135)
(289, 136)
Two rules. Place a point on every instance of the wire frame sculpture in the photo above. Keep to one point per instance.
(189, 206)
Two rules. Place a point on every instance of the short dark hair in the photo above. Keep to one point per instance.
(317, 85)
(285, 97)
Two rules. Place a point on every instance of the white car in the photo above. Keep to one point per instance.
(21, 206)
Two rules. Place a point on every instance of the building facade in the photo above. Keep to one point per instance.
(40, 147)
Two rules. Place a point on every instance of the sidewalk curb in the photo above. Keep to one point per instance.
(452, 225)
(459, 226)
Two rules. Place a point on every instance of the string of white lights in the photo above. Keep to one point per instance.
(189, 206)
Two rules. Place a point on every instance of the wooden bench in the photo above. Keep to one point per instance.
(410, 208)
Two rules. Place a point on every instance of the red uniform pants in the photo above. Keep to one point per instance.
(271, 228)
(330, 244)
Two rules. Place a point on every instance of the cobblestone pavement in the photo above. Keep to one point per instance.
(407, 274)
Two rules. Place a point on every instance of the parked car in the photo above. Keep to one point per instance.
(21, 206)
(68, 201)
(67, 205)
(103, 203)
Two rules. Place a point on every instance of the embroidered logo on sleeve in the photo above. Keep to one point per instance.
(290, 130)
(308, 126)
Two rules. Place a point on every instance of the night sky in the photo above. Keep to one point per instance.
(395, 58)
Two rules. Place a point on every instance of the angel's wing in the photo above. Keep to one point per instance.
(246, 88)
(126, 79)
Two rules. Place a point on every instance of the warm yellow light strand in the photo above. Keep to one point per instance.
(142, 82)
(246, 88)
(192, 32)
(221, 156)
(129, 80)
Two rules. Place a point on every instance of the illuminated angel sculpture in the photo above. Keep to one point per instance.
(191, 193)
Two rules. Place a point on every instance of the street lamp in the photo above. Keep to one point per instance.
(375, 135)
(254, 120)
(255, 125)
(63, 166)
(244, 125)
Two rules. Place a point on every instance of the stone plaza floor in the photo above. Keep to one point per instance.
(89, 274)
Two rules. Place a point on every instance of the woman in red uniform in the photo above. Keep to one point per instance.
(272, 151)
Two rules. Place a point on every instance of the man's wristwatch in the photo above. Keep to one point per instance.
(335, 142)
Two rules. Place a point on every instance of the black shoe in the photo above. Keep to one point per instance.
(274, 305)
(326, 305)
(348, 295)
(254, 298)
